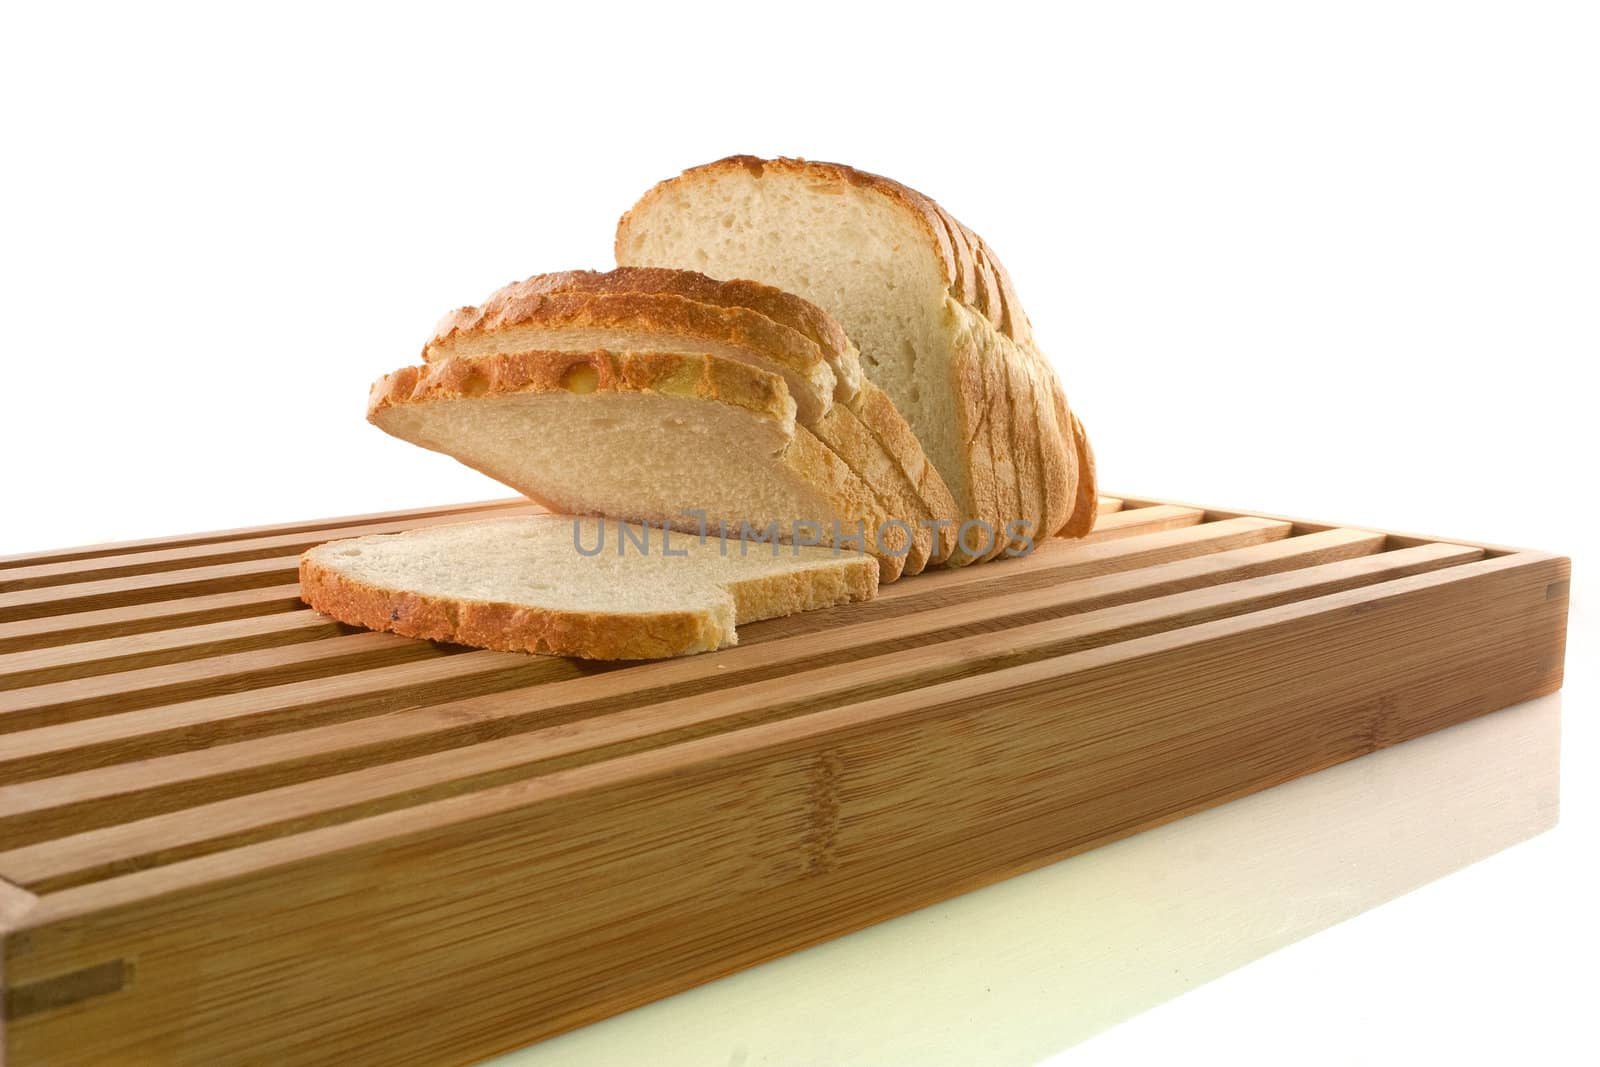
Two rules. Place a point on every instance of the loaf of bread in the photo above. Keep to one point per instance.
(791, 355)
(935, 316)
(573, 587)
(770, 330)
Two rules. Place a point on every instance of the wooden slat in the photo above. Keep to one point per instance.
(1058, 560)
(146, 588)
(114, 548)
(405, 937)
(1127, 521)
(108, 694)
(153, 561)
(59, 863)
(1108, 504)
(106, 623)
(199, 723)
(1397, 539)
(110, 655)
(920, 652)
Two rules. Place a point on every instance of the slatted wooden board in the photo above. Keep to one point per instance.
(234, 831)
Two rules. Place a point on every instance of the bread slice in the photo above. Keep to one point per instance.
(648, 437)
(917, 291)
(931, 500)
(784, 309)
(572, 587)
(863, 428)
(528, 316)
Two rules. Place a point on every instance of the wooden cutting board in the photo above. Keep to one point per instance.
(231, 829)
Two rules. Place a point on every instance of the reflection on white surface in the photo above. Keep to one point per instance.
(1015, 972)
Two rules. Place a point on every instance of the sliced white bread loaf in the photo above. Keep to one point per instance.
(935, 316)
(742, 320)
(572, 587)
(646, 437)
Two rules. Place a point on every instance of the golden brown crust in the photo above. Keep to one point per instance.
(520, 303)
(1058, 464)
(1027, 445)
(1015, 322)
(964, 279)
(784, 308)
(654, 312)
(703, 377)
(1086, 501)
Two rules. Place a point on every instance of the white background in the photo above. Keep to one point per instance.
(1335, 260)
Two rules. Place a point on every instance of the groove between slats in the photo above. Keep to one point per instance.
(194, 724)
(50, 631)
(145, 588)
(1125, 521)
(54, 865)
(90, 658)
(113, 548)
(81, 698)
(53, 807)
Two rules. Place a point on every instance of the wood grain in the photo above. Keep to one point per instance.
(233, 830)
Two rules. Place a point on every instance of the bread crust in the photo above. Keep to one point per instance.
(702, 377)
(566, 632)
(465, 331)
(1086, 501)
(783, 308)
(1058, 463)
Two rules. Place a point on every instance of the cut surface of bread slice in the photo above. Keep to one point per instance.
(646, 437)
(572, 587)
(863, 430)
(903, 278)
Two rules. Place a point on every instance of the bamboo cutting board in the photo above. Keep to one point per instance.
(233, 830)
